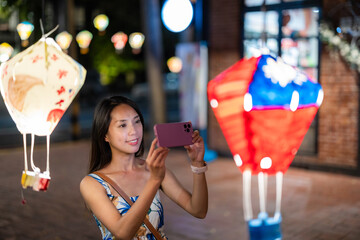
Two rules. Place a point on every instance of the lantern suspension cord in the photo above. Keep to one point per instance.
(50, 32)
(263, 33)
(47, 154)
(279, 182)
(35, 169)
(248, 214)
(25, 152)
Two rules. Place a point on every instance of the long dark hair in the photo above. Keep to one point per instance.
(100, 154)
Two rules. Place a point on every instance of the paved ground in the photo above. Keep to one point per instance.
(316, 205)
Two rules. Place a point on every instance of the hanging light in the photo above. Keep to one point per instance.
(119, 39)
(174, 64)
(64, 39)
(5, 52)
(101, 22)
(136, 41)
(177, 14)
(84, 38)
(24, 30)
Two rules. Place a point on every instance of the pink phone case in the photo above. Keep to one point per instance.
(174, 134)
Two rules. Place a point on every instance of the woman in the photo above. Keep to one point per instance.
(117, 145)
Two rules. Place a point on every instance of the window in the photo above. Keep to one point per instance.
(289, 29)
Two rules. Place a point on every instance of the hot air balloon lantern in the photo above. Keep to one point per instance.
(64, 40)
(101, 22)
(119, 40)
(264, 108)
(37, 86)
(136, 41)
(24, 30)
(84, 38)
(6, 50)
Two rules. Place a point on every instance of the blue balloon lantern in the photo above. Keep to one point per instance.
(177, 14)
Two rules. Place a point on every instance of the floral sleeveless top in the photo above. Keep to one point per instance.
(155, 214)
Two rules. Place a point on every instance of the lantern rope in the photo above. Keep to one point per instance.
(50, 32)
(25, 152)
(35, 169)
(47, 154)
(248, 214)
(279, 182)
(262, 182)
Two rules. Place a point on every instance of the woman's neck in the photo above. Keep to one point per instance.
(122, 163)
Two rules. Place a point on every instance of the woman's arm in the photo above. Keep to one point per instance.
(126, 226)
(195, 203)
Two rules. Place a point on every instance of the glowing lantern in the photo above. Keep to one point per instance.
(24, 30)
(136, 41)
(64, 40)
(119, 39)
(5, 52)
(264, 108)
(37, 86)
(177, 14)
(84, 38)
(101, 22)
(174, 64)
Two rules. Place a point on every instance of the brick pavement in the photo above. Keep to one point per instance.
(315, 205)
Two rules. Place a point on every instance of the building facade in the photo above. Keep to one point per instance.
(335, 134)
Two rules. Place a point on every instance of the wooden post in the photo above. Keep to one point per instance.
(154, 59)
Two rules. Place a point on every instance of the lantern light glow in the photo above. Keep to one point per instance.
(24, 30)
(5, 52)
(64, 40)
(247, 102)
(119, 39)
(214, 103)
(101, 22)
(237, 160)
(174, 64)
(177, 14)
(265, 163)
(136, 41)
(84, 38)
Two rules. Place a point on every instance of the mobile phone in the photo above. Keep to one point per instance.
(174, 134)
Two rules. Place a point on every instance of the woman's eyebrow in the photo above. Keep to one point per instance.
(124, 120)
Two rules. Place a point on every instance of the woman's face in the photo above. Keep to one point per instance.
(125, 130)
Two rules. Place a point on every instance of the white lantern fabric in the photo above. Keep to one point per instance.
(38, 85)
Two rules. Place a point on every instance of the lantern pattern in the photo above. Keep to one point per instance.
(37, 86)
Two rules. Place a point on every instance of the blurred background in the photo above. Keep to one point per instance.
(167, 73)
(133, 48)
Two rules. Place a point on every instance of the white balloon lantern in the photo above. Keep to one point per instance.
(37, 86)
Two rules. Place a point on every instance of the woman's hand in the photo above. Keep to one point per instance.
(196, 151)
(156, 161)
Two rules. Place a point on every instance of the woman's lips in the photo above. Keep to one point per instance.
(133, 142)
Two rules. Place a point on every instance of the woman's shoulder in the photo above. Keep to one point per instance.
(91, 180)
(93, 183)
